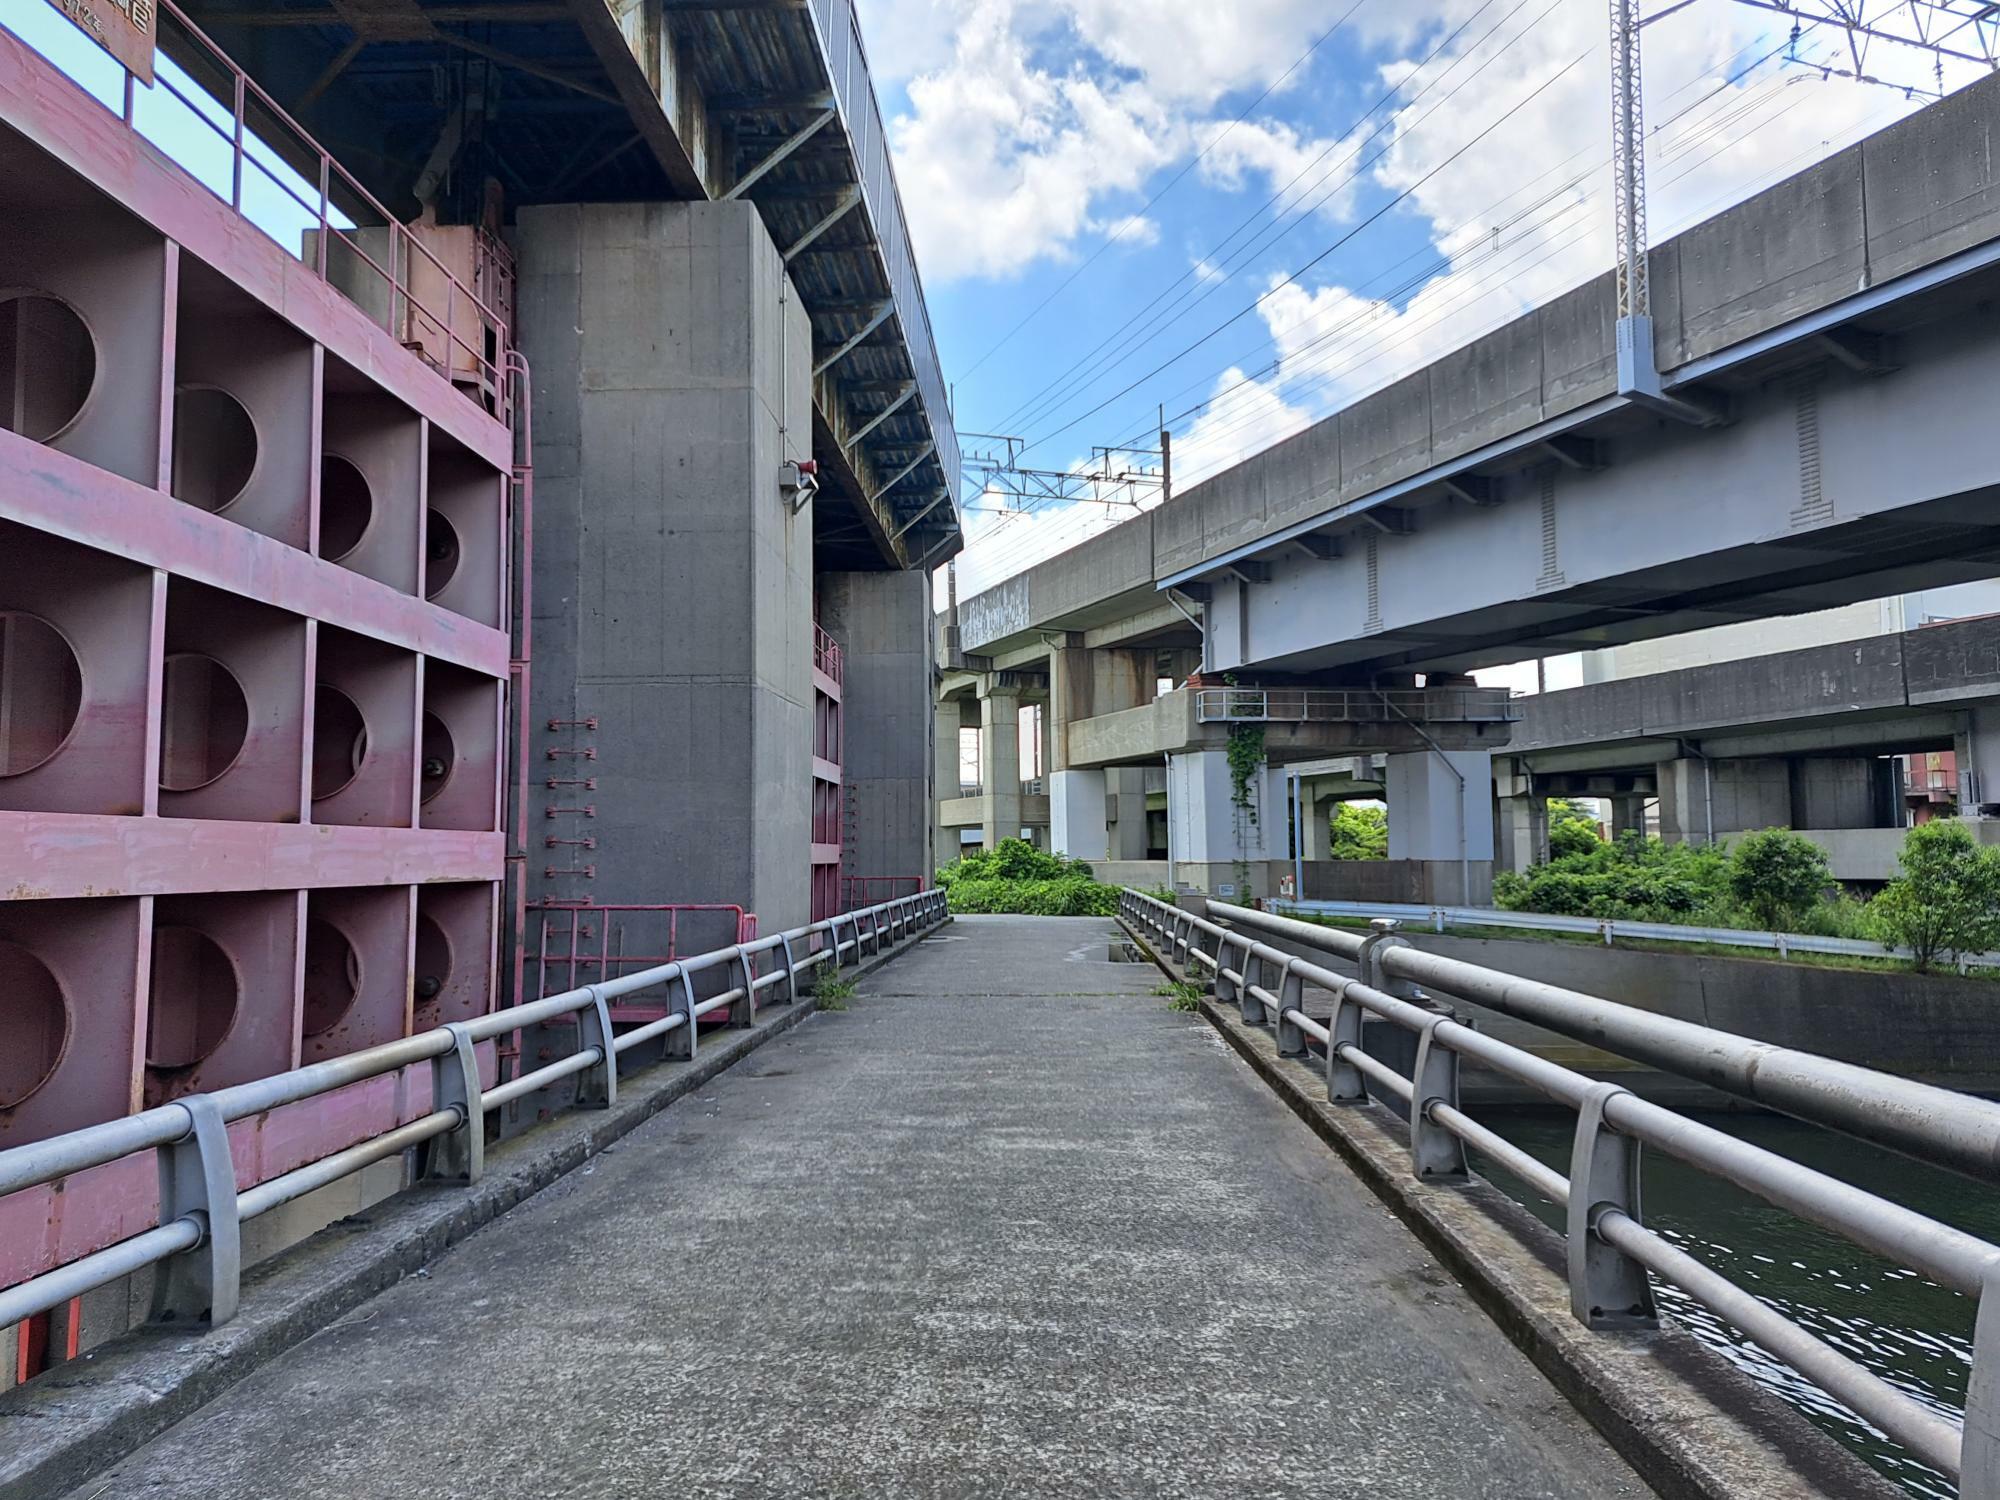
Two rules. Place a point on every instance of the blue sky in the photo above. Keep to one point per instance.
(1031, 135)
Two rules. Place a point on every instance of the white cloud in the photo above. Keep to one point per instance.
(1036, 114)
(1132, 232)
(1002, 161)
(1303, 173)
(1245, 416)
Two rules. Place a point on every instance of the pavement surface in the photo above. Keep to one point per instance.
(1006, 1226)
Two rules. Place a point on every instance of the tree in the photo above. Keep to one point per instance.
(1778, 876)
(1360, 831)
(1947, 900)
(1572, 828)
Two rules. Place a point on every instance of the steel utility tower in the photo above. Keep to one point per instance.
(1961, 30)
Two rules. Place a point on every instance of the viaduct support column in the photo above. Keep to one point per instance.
(882, 624)
(672, 585)
(1076, 814)
(1000, 766)
(948, 717)
(1977, 748)
(1706, 801)
(1441, 821)
(1217, 846)
(1077, 825)
(1126, 838)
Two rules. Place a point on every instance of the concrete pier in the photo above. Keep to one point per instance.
(672, 583)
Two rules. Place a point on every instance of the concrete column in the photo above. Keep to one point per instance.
(947, 716)
(1000, 767)
(1126, 785)
(1076, 814)
(1069, 699)
(1704, 799)
(1628, 814)
(1977, 751)
(1210, 835)
(672, 585)
(1319, 824)
(1441, 816)
(1836, 791)
(882, 622)
(1523, 833)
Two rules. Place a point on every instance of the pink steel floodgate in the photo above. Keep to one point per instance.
(255, 537)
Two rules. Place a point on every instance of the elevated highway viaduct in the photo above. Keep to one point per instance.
(1824, 346)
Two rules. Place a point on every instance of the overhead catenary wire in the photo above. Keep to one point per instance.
(1678, 144)
(1740, 111)
(1295, 366)
(1318, 373)
(1090, 361)
(1290, 277)
(1684, 142)
(1193, 162)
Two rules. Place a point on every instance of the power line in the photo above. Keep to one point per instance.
(1444, 263)
(1293, 276)
(1027, 408)
(1119, 234)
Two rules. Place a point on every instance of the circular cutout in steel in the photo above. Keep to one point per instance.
(440, 757)
(333, 976)
(340, 742)
(215, 447)
(346, 506)
(34, 1017)
(48, 364)
(204, 721)
(433, 960)
(194, 996)
(41, 691)
(440, 553)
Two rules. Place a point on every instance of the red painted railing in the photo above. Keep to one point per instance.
(826, 654)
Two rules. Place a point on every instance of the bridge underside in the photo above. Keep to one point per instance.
(1830, 485)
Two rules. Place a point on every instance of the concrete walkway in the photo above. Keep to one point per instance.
(1006, 1227)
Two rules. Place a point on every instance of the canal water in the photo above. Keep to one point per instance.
(1910, 1331)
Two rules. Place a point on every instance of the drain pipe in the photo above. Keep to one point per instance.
(1172, 884)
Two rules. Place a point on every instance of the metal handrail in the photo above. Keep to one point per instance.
(1612, 1254)
(827, 655)
(1438, 918)
(197, 1240)
(1258, 705)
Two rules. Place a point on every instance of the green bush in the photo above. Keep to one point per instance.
(1634, 878)
(1018, 878)
(1947, 901)
(1359, 831)
(1777, 876)
(1572, 829)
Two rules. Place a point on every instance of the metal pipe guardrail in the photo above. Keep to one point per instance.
(197, 1243)
(1438, 918)
(1254, 705)
(1612, 1255)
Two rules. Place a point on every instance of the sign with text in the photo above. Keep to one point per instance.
(126, 29)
